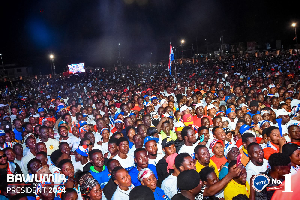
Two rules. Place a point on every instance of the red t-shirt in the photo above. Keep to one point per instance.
(219, 161)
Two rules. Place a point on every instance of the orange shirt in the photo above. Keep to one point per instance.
(269, 151)
(136, 107)
(245, 157)
(219, 161)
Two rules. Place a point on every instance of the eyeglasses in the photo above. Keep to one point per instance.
(3, 156)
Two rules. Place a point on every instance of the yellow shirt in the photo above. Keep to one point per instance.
(199, 167)
(172, 135)
(233, 189)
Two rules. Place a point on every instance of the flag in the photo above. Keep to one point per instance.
(171, 58)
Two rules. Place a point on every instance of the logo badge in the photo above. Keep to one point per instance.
(260, 182)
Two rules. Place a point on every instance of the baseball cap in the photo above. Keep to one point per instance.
(149, 138)
(187, 119)
(167, 142)
(214, 142)
(244, 128)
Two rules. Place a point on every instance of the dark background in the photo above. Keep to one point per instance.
(89, 31)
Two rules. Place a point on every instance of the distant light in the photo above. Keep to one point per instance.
(51, 56)
(182, 41)
(119, 44)
(294, 24)
(0, 54)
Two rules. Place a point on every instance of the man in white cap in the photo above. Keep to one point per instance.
(211, 111)
(184, 110)
(282, 119)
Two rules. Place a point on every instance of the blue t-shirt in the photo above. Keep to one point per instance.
(224, 171)
(159, 194)
(102, 177)
(249, 113)
(18, 134)
(134, 174)
(130, 144)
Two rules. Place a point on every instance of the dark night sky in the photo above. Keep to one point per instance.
(90, 30)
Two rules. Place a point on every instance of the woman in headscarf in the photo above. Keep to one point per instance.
(90, 188)
(147, 178)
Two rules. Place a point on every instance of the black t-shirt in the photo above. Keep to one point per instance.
(179, 196)
(267, 195)
(109, 189)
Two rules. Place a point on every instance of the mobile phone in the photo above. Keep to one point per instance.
(201, 138)
(238, 160)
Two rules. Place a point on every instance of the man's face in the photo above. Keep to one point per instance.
(147, 121)
(65, 149)
(217, 122)
(256, 155)
(203, 156)
(218, 149)
(243, 176)
(2, 139)
(10, 155)
(63, 132)
(31, 142)
(44, 133)
(253, 109)
(205, 132)
(3, 158)
(141, 159)
(41, 147)
(100, 124)
(191, 137)
(112, 148)
(123, 147)
(294, 132)
(219, 134)
(119, 125)
(205, 122)
(285, 118)
(35, 166)
(166, 128)
(97, 159)
(274, 136)
(18, 124)
(233, 153)
(142, 131)
(188, 163)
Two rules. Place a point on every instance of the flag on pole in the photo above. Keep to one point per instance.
(171, 58)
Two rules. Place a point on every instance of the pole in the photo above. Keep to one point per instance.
(296, 40)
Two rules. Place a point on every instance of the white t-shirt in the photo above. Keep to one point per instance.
(188, 149)
(254, 170)
(169, 186)
(122, 194)
(156, 160)
(52, 145)
(125, 163)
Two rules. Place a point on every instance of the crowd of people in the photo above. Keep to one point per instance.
(203, 132)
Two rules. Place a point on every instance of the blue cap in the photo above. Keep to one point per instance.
(2, 133)
(83, 150)
(229, 110)
(153, 98)
(226, 98)
(82, 123)
(117, 114)
(41, 110)
(149, 138)
(244, 128)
